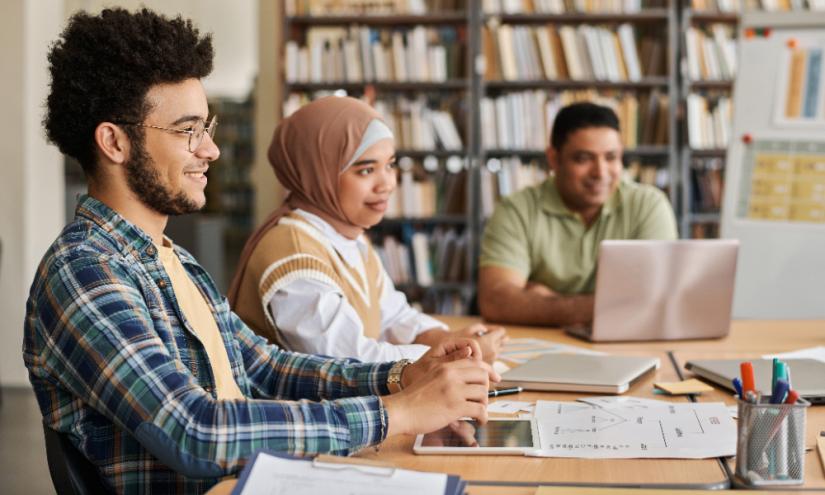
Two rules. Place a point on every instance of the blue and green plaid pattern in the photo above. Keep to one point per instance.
(116, 366)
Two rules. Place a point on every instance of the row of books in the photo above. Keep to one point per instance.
(422, 194)
(580, 53)
(708, 121)
(417, 125)
(363, 54)
(368, 7)
(707, 185)
(423, 258)
(568, 6)
(711, 52)
(736, 6)
(652, 174)
(523, 120)
(502, 177)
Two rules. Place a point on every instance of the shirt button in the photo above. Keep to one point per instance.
(162, 283)
(151, 251)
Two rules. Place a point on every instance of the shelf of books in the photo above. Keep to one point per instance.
(540, 56)
(708, 66)
(409, 59)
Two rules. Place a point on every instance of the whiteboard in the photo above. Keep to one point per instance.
(777, 148)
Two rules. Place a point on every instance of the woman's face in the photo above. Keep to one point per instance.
(364, 188)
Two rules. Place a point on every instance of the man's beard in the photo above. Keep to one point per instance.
(145, 182)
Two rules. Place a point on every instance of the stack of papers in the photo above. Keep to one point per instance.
(522, 350)
(280, 474)
(817, 353)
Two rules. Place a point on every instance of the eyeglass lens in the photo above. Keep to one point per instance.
(196, 138)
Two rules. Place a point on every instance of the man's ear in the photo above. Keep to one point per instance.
(552, 159)
(112, 143)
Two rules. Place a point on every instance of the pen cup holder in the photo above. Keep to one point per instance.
(770, 446)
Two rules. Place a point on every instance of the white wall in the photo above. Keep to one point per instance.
(234, 28)
(31, 171)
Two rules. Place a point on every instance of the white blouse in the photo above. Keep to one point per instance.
(315, 317)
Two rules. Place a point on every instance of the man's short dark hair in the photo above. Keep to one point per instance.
(581, 116)
(103, 66)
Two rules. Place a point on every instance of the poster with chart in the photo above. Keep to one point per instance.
(774, 200)
(783, 181)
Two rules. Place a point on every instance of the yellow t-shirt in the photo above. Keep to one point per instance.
(197, 312)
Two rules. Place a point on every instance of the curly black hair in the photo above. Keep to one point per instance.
(103, 66)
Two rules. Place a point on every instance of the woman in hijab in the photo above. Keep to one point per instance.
(308, 278)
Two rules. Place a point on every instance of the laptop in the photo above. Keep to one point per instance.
(579, 373)
(806, 375)
(662, 290)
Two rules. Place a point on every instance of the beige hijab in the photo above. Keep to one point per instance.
(308, 152)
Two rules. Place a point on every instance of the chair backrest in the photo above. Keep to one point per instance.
(72, 473)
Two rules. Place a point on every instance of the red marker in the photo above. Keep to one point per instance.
(793, 396)
(748, 380)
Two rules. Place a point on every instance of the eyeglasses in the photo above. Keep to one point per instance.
(195, 132)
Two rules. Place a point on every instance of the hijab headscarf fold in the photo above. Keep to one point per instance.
(309, 151)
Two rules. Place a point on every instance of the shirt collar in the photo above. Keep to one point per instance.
(552, 203)
(127, 235)
(341, 244)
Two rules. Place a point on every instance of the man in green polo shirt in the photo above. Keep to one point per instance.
(540, 247)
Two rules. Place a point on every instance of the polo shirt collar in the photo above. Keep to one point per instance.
(552, 203)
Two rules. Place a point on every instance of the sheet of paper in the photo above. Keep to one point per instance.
(621, 431)
(817, 353)
(509, 406)
(277, 476)
(622, 400)
(522, 350)
(690, 386)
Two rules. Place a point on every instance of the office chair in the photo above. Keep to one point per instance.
(72, 473)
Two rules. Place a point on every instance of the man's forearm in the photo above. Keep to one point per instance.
(532, 307)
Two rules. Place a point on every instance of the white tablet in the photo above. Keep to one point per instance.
(497, 437)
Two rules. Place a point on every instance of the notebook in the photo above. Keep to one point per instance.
(579, 373)
(806, 375)
(662, 290)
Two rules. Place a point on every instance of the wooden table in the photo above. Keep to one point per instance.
(496, 475)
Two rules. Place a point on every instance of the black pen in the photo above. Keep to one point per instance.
(504, 391)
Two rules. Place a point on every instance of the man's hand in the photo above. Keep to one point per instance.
(490, 338)
(452, 389)
(449, 349)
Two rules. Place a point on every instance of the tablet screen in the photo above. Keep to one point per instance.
(506, 433)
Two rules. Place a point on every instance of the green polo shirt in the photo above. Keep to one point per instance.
(533, 233)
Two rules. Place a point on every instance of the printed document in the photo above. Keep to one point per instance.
(273, 475)
(634, 429)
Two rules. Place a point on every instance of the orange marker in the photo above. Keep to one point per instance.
(748, 380)
(793, 396)
(749, 33)
(792, 43)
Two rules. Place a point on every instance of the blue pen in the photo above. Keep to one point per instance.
(780, 391)
(737, 385)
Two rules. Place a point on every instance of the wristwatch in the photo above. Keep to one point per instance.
(394, 378)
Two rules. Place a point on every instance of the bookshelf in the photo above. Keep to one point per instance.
(708, 56)
(429, 107)
(467, 78)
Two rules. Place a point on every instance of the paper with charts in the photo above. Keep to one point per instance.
(632, 430)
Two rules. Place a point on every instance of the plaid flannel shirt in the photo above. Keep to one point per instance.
(116, 366)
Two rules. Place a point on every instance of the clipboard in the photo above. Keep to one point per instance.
(373, 469)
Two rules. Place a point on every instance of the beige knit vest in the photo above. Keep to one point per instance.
(294, 250)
